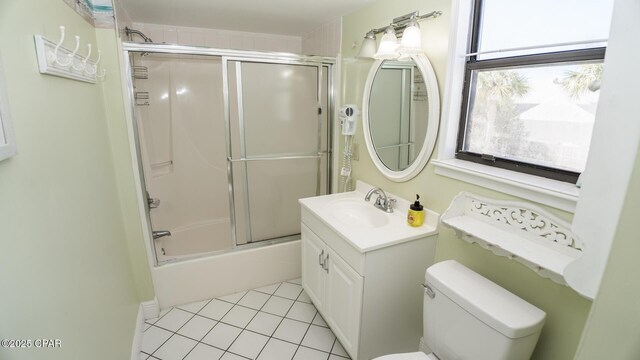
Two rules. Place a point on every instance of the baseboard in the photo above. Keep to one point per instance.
(136, 347)
(423, 346)
(150, 309)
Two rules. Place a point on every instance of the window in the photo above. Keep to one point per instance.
(532, 80)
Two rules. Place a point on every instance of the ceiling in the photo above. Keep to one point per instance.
(286, 17)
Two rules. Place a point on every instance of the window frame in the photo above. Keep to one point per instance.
(473, 64)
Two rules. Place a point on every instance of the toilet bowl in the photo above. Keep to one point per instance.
(408, 356)
(466, 316)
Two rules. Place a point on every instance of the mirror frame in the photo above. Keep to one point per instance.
(433, 98)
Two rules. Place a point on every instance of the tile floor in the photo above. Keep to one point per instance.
(275, 322)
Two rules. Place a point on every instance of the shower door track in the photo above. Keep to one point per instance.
(233, 55)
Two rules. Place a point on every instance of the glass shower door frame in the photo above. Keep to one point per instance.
(244, 159)
(128, 48)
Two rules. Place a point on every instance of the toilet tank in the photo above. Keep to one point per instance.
(466, 316)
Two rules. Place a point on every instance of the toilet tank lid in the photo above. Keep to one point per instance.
(488, 302)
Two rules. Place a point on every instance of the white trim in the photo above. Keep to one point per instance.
(557, 194)
(136, 346)
(614, 147)
(150, 309)
(431, 136)
(554, 193)
(335, 146)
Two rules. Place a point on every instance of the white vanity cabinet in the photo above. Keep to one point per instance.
(334, 287)
(370, 296)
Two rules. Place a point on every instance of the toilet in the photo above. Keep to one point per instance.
(466, 316)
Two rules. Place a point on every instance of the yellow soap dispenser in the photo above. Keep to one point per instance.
(415, 217)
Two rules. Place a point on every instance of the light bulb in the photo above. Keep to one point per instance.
(411, 39)
(368, 47)
(388, 45)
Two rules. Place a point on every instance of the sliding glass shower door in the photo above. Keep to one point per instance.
(278, 148)
(227, 146)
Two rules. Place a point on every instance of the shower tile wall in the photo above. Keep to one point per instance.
(324, 40)
(221, 39)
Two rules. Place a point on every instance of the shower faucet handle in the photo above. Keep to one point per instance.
(153, 202)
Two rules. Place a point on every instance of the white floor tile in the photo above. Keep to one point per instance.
(239, 316)
(152, 321)
(338, 349)
(233, 298)
(197, 327)
(204, 352)
(302, 312)
(277, 306)
(336, 357)
(146, 326)
(264, 323)
(143, 356)
(319, 338)
(291, 330)
(248, 344)
(295, 281)
(318, 320)
(194, 307)
(289, 291)
(304, 297)
(216, 309)
(227, 340)
(230, 356)
(277, 350)
(222, 336)
(254, 300)
(153, 338)
(176, 348)
(304, 353)
(269, 289)
(174, 319)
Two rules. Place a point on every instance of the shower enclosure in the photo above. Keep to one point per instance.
(227, 142)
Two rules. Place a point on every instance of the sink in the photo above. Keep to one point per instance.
(359, 223)
(357, 213)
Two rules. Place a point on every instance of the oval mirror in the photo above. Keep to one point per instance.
(401, 115)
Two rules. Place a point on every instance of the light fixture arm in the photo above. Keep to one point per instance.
(400, 23)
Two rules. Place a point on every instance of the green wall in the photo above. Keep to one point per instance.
(65, 265)
(566, 310)
(121, 155)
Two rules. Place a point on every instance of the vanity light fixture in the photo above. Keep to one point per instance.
(368, 48)
(388, 48)
(406, 27)
(411, 39)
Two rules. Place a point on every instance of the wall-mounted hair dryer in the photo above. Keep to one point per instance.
(348, 119)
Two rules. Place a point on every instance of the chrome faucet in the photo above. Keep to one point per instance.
(160, 233)
(382, 202)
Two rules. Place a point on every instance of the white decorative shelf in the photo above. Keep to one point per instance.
(517, 230)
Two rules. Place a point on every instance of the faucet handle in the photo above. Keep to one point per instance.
(389, 204)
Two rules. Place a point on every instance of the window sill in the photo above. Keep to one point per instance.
(557, 194)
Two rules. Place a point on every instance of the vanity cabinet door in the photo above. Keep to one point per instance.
(313, 274)
(343, 301)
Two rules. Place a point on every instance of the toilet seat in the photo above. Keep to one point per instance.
(408, 356)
